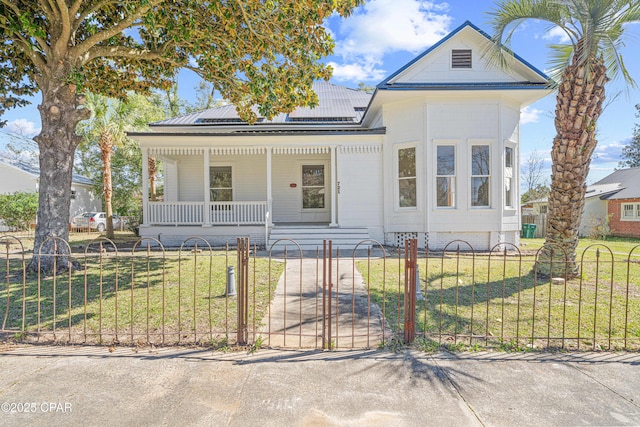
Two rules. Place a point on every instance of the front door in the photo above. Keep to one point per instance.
(314, 192)
(301, 189)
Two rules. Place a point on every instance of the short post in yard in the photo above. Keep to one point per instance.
(231, 281)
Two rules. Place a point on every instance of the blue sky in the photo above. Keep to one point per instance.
(383, 35)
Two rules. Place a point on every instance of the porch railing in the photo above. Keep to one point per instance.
(241, 213)
(220, 213)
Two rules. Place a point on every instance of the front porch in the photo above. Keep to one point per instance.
(217, 186)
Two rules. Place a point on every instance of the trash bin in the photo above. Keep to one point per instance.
(528, 231)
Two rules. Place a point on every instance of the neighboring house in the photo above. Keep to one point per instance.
(613, 203)
(623, 204)
(22, 174)
(432, 153)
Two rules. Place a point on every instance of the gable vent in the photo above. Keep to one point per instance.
(461, 58)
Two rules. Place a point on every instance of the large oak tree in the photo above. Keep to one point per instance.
(255, 52)
(582, 68)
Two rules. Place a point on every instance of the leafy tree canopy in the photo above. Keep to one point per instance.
(254, 52)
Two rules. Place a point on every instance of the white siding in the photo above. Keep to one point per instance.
(405, 126)
(249, 174)
(13, 179)
(594, 216)
(464, 125)
(85, 201)
(436, 67)
(190, 178)
(171, 181)
(360, 201)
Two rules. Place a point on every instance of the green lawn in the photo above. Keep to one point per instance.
(496, 300)
(150, 296)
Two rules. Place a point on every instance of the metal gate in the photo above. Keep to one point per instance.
(322, 300)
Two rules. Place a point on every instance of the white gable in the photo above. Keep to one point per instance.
(435, 65)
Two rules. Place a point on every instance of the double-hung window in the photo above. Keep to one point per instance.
(221, 184)
(508, 177)
(480, 175)
(630, 212)
(407, 190)
(313, 188)
(446, 176)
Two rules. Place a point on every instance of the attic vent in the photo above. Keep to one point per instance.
(461, 58)
(360, 108)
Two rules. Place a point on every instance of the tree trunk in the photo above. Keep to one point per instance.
(105, 142)
(57, 142)
(578, 106)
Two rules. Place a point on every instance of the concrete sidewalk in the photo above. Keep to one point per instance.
(92, 386)
(295, 317)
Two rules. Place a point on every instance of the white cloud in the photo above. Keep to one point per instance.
(608, 154)
(557, 35)
(381, 27)
(530, 115)
(23, 127)
(357, 72)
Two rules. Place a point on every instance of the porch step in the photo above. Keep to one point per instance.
(310, 237)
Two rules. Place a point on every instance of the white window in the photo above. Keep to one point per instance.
(630, 212)
(480, 175)
(407, 190)
(446, 176)
(313, 188)
(221, 183)
(508, 177)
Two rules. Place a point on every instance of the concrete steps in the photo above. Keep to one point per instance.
(310, 237)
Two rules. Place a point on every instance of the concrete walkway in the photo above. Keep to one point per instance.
(295, 318)
(63, 386)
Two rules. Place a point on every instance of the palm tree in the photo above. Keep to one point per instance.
(581, 69)
(107, 127)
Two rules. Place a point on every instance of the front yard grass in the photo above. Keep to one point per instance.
(496, 300)
(155, 297)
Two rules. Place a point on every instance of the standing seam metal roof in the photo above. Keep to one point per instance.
(336, 103)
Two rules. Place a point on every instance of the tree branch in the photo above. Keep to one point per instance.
(87, 12)
(247, 21)
(81, 49)
(65, 34)
(11, 6)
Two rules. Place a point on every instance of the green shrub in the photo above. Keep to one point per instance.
(18, 210)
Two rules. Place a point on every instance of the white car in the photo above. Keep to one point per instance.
(96, 221)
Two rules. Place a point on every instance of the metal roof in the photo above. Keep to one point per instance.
(336, 104)
(30, 167)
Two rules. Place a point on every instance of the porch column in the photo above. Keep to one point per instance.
(269, 186)
(206, 220)
(145, 187)
(334, 187)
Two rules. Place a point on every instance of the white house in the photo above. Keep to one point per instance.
(21, 174)
(432, 153)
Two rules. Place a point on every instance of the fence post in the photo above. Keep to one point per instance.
(410, 294)
(243, 290)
